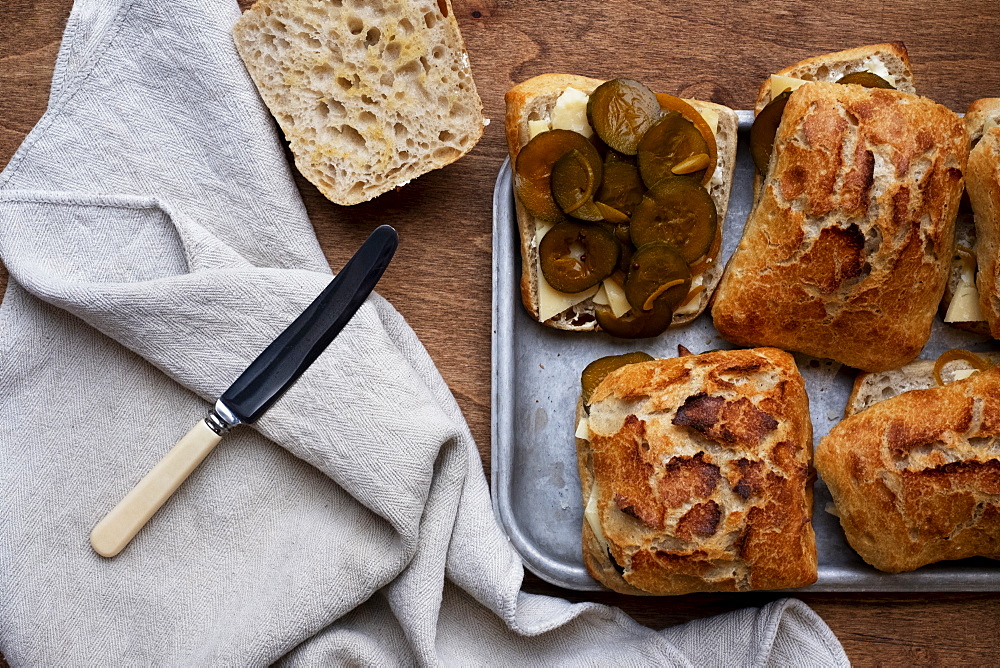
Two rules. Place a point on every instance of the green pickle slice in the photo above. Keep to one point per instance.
(575, 178)
(657, 275)
(764, 127)
(620, 111)
(673, 143)
(633, 325)
(866, 79)
(533, 171)
(599, 369)
(622, 187)
(679, 211)
(576, 256)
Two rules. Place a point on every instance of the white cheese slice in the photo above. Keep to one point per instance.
(616, 297)
(570, 112)
(601, 298)
(780, 84)
(711, 117)
(962, 374)
(551, 302)
(964, 305)
(692, 305)
(877, 67)
(583, 428)
(536, 128)
(591, 515)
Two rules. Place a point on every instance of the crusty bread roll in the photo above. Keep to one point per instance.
(368, 95)
(916, 478)
(983, 184)
(696, 475)
(829, 67)
(533, 100)
(981, 116)
(847, 251)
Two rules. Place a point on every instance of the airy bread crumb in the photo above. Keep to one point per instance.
(370, 95)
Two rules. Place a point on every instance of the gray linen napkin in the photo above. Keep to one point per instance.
(155, 239)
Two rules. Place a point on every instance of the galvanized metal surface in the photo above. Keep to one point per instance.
(536, 381)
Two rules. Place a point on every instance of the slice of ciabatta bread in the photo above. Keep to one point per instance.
(368, 95)
(983, 186)
(534, 100)
(871, 388)
(881, 59)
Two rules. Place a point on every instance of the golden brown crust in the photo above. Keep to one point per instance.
(984, 193)
(701, 467)
(981, 115)
(851, 247)
(533, 100)
(916, 478)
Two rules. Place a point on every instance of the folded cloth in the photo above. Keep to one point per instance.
(155, 241)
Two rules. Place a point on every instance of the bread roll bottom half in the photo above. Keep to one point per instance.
(696, 475)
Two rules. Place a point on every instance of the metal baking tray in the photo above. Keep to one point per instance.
(536, 381)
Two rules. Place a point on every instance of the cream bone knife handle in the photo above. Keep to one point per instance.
(120, 525)
(260, 385)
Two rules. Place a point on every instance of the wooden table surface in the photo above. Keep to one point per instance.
(441, 277)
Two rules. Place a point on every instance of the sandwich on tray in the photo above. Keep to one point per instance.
(850, 239)
(914, 468)
(620, 194)
(972, 300)
(696, 472)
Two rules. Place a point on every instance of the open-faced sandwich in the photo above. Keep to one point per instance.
(696, 472)
(847, 250)
(914, 468)
(621, 195)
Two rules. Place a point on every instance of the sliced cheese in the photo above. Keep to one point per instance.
(964, 305)
(601, 298)
(616, 297)
(780, 84)
(692, 305)
(711, 117)
(590, 513)
(551, 302)
(583, 428)
(570, 112)
(962, 374)
(536, 128)
(878, 68)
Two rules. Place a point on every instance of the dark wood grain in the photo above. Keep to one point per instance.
(441, 278)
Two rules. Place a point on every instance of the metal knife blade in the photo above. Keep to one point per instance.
(258, 387)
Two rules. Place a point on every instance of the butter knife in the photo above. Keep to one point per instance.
(258, 387)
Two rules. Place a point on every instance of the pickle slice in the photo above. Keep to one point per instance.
(533, 171)
(575, 177)
(672, 142)
(680, 212)
(657, 275)
(620, 111)
(575, 256)
(622, 187)
(599, 369)
(764, 127)
(866, 79)
(632, 325)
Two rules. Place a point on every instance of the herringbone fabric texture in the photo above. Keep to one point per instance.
(156, 242)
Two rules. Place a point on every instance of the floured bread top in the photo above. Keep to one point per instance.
(369, 94)
(852, 237)
(700, 472)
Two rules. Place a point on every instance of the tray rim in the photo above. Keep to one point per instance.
(943, 577)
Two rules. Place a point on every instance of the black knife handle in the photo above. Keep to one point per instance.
(282, 362)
